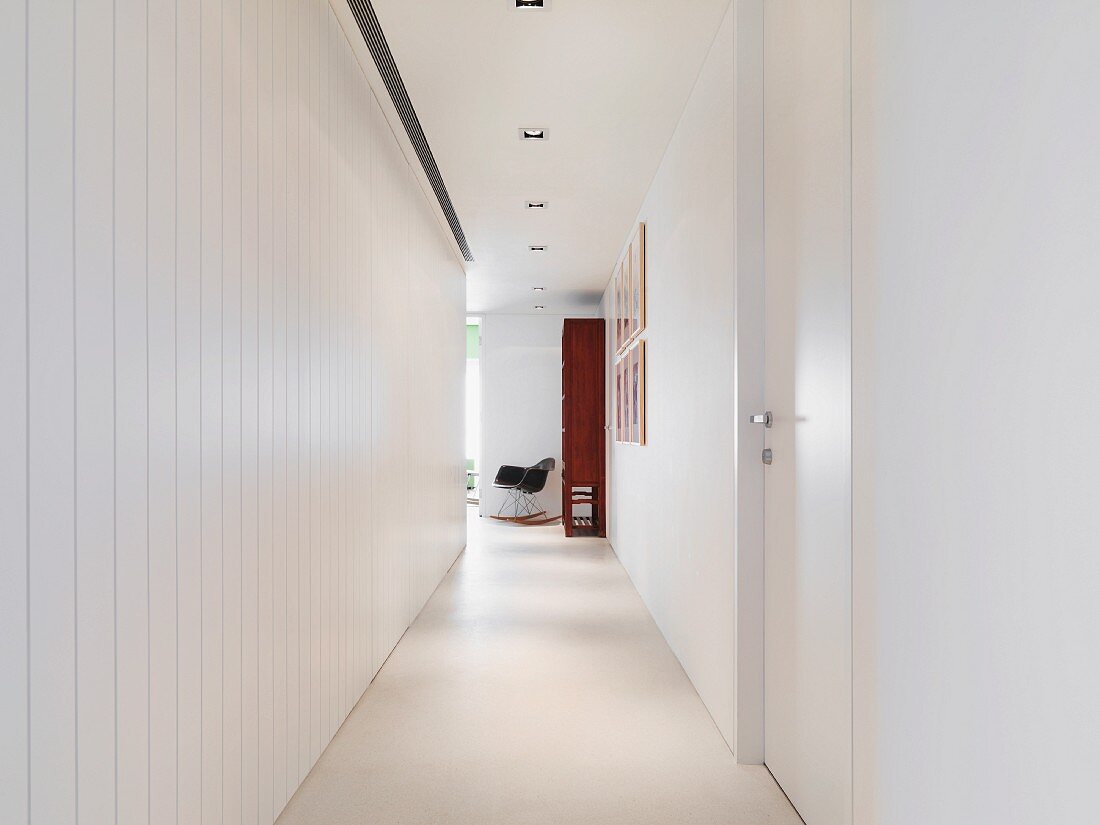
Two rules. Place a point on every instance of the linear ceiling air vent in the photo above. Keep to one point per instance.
(383, 59)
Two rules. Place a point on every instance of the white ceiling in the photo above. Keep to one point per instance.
(608, 78)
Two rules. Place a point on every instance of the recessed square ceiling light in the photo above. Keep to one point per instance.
(537, 204)
(537, 248)
(532, 4)
(534, 133)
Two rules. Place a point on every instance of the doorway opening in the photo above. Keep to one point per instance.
(473, 411)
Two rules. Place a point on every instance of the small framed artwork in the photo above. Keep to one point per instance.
(637, 286)
(619, 386)
(636, 380)
(615, 311)
(620, 317)
(624, 367)
(629, 291)
(620, 308)
(630, 395)
(628, 286)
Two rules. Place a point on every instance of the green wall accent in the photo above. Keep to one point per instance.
(473, 341)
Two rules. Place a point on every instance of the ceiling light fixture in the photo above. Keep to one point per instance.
(532, 4)
(534, 133)
(537, 204)
(538, 248)
(540, 289)
(539, 306)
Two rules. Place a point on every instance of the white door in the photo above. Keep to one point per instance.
(807, 489)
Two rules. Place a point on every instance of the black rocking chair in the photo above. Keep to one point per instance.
(522, 486)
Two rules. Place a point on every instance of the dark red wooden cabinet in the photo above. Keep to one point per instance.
(584, 463)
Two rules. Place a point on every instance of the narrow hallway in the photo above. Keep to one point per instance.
(533, 688)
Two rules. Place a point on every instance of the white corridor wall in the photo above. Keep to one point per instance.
(976, 559)
(231, 463)
(673, 516)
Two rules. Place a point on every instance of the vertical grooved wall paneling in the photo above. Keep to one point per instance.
(14, 364)
(230, 475)
(315, 737)
(50, 407)
(266, 251)
(211, 364)
(132, 430)
(162, 275)
(94, 319)
(189, 557)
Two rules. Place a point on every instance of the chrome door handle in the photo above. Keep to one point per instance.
(765, 419)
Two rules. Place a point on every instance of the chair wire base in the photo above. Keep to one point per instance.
(521, 503)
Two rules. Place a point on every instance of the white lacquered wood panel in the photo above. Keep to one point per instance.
(340, 148)
(210, 371)
(14, 802)
(189, 550)
(206, 366)
(231, 411)
(50, 408)
(315, 548)
(249, 411)
(293, 433)
(161, 330)
(305, 274)
(95, 405)
(279, 357)
(131, 409)
(327, 531)
(265, 412)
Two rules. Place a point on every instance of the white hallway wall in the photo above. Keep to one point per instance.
(672, 516)
(520, 401)
(977, 464)
(230, 474)
(975, 454)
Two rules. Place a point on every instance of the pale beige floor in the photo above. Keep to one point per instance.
(533, 688)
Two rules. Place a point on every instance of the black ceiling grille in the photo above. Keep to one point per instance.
(383, 59)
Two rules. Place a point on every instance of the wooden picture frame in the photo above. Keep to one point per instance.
(620, 306)
(629, 312)
(629, 292)
(624, 365)
(630, 420)
(637, 293)
(619, 389)
(636, 381)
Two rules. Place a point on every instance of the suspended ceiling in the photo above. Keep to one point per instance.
(607, 78)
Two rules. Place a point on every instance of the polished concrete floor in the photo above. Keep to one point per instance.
(533, 688)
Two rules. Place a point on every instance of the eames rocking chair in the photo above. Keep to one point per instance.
(522, 486)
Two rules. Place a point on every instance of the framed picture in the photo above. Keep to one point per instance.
(630, 395)
(624, 367)
(620, 316)
(629, 291)
(619, 386)
(620, 308)
(637, 286)
(636, 381)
